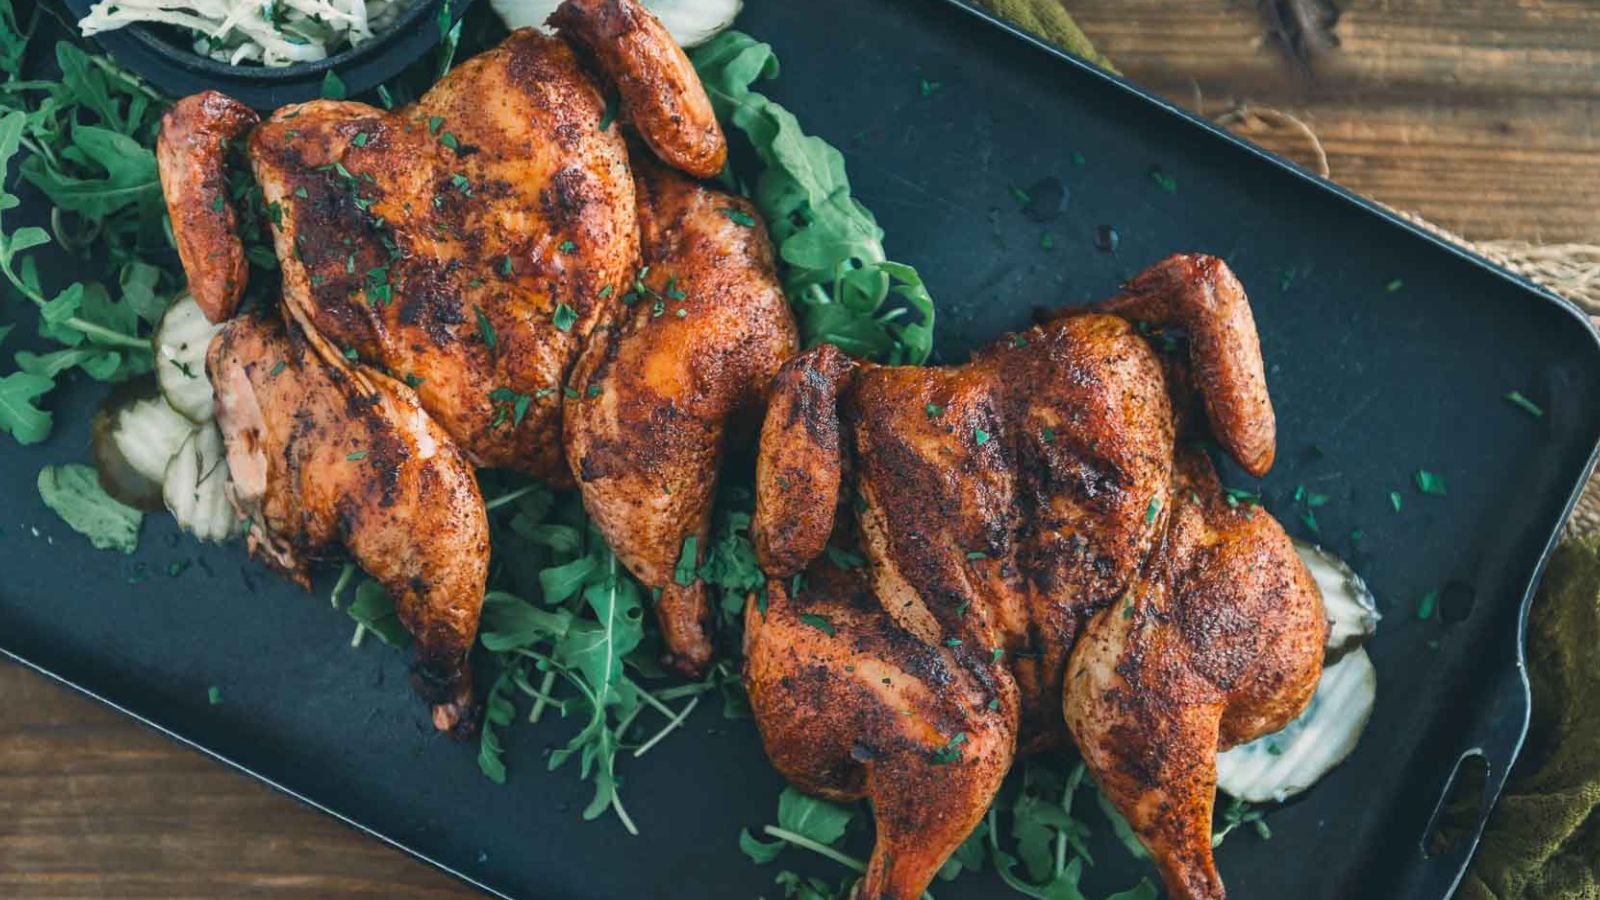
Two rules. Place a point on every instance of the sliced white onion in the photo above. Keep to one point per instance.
(195, 488)
(690, 22)
(134, 434)
(1280, 765)
(181, 340)
(1351, 608)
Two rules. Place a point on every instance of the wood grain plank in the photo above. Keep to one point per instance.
(95, 805)
(1478, 114)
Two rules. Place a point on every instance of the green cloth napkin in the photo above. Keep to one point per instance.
(1543, 840)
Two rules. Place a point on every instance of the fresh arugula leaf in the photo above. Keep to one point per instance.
(74, 492)
(18, 414)
(373, 611)
(811, 817)
(760, 852)
(836, 275)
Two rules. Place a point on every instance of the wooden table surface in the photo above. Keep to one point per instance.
(1479, 114)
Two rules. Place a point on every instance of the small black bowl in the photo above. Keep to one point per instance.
(178, 71)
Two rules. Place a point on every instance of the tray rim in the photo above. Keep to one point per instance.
(1084, 67)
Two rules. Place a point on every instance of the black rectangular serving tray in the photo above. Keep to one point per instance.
(940, 112)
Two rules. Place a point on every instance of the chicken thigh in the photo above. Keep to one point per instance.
(484, 247)
(1031, 502)
(322, 455)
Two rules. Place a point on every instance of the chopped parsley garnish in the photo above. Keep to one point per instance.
(413, 381)
(360, 140)
(609, 114)
(928, 88)
(564, 317)
(301, 192)
(996, 653)
(819, 622)
(177, 567)
(1394, 500)
(1151, 510)
(1429, 483)
(485, 329)
(214, 695)
(684, 572)
(952, 642)
(593, 390)
(976, 554)
(1021, 196)
(1047, 240)
(1285, 279)
(1394, 286)
(277, 369)
(516, 402)
(951, 751)
(566, 246)
(739, 217)
(506, 266)
(1077, 159)
(933, 410)
(980, 436)
(355, 456)
(449, 140)
(844, 559)
(1164, 181)
(1427, 605)
(604, 292)
(1237, 497)
(434, 122)
(1527, 405)
(1048, 435)
(333, 86)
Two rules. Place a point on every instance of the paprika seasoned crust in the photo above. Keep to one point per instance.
(1005, 511)
(195, 137)
(661, 93)
(482, 247)
(323, 456)
(657, 392)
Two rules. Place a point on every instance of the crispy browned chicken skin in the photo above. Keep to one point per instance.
(322, 455)
(1005, 508)
(483, 245)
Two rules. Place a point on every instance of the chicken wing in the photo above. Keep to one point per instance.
(322, 455)
(194, 139)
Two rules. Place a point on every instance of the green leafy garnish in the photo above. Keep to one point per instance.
(1427, 605)
(74, 492)
(840, 282)
(1430, 483)
(333, 86)
(1528, 406)
(565, 317)
(819, 622)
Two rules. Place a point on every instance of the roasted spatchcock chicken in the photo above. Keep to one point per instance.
(510, 255)
(1043, 556)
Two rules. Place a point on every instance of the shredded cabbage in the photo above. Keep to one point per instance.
(269, 32)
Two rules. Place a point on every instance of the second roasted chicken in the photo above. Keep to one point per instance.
(1043, 557)
(560, 296)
